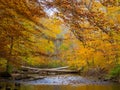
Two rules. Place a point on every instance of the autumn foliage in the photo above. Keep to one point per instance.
(78, 33)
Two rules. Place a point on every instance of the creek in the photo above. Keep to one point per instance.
(60, 82)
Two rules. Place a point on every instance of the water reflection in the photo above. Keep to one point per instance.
(18, 86)
(10, 86)
(70, 87)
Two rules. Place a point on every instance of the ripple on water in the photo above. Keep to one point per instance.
(64, 80)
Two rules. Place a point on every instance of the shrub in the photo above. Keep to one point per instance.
(115, 72)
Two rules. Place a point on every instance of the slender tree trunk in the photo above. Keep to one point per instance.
(10, 55)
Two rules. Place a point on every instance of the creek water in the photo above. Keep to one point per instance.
(60, 82)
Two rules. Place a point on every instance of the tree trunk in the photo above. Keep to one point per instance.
(10, 56)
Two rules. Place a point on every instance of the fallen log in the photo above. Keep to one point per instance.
(60, 68)
(26, 77)
(55, 70)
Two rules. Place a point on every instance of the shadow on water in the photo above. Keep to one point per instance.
(10, 86)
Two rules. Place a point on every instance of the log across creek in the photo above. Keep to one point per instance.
(52, 70)
(31, 73)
